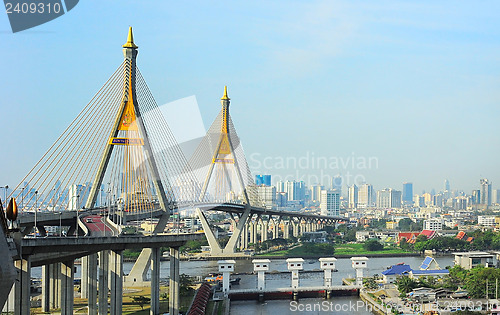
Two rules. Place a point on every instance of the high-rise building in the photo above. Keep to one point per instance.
(389, 198)
(330, 202)
(446, 185)
(281, 199)
(315, 193)
(353, 197)
(263, 180)
(267, 195)
(495, 196)
(485, 192)
(419, 201)
(407, 194)
(295, 190)
(476, 197)
(366, 196)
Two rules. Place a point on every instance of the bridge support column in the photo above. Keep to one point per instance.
(55, 285)
(84, 281)
(103, 282)
(92, 284)
(302, 228)
(250, 229)
(116, 268)
(254, 232)
(22, 287)
(155, 281)
(137, 276)
(50, 286)
(286, 230)
(295, 229)
(67, 287)
(243, 238)
(264, 232)
(173, 301)
(46, 288)
(276, 229)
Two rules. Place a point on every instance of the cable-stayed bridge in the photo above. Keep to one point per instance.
(118, 161)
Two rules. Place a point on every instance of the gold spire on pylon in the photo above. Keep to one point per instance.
(130, 40)
(225, 97)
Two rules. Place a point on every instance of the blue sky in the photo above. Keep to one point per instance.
(413, 84)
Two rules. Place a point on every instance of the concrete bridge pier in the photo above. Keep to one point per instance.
(155, 281)
(174, 281)
(295, 229)
(67, 287)
(92, 284)
(286, 230)
(103, 282)
(276, 229)
(51, 291)
(116, 288)
(264, 231)
(22, 287)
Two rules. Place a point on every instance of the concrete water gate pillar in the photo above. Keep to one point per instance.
(261, 266)
(328, 265)
(295, 265)
(359, 264)
(226, 267)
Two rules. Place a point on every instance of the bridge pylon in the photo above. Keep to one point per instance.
(220, 164)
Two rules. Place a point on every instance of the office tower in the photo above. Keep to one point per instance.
(74, 197)
(446, 185)
(330, 202)
(366, 196)
(259, 180)
(419, 201)
(316, 193)
(407, 194)
(281, 199)
(495, 196)
(337, 183)
(389, 198)
(267, 195)
(263, 180)
(437, 200)
(266, 179)
(295, 190)
(280, 186)
(476, 197)
(353, 197)
(485, 196)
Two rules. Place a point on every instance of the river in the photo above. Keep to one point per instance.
(337, 305)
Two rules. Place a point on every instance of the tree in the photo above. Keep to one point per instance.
(373, 245)
(140, 300)
(405, 284)
(405, 224)
(185, 284)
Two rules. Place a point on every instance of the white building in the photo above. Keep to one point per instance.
(353, 197)
(267, 195)
(486, 220)
(366, 196)
(389, 198)
(434, 224)
(330, 202)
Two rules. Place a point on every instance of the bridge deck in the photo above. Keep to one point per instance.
(57, 249)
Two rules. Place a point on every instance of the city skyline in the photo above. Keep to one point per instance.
(414, 91)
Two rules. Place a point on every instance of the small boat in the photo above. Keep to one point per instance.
(335, 270)
(311, 261)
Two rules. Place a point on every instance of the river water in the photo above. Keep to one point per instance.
(337, 305)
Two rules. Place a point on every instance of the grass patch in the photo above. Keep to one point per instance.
(341, 249)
